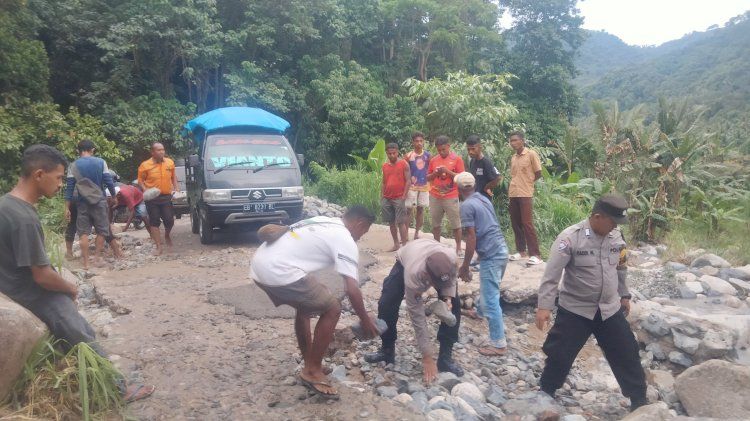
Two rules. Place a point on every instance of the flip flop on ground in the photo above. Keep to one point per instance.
(491, 351)
(313, 386)
(138, 392)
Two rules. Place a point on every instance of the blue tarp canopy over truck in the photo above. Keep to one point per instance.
(230, 118)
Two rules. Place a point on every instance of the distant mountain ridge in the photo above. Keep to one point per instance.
(711, 68)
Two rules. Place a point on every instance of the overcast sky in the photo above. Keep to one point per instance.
(653, 22)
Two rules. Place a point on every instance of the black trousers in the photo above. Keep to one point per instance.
(571, 331)
(60, 314)
(390, 302)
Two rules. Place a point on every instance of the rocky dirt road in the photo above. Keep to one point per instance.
(210, 361)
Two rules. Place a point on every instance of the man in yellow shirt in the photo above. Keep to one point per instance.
(159, 172)
(525, 169)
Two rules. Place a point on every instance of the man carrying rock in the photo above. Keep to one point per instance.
(593, 299)
(282, 269)
(159, 172)
(420, 265)
(26, 275)
(483, 235)
(87, 177)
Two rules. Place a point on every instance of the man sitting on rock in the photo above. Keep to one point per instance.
(282, 269)
(420, 265)
(26, 275)
(593, 299)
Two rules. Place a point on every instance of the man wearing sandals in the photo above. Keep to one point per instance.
(483, 235)
(26, 275)
(282, 270)
(420, 265)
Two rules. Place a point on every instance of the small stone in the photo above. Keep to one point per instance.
(387, 391)
(733, 302)
(740, 284)
(467, 390)
(709, 260)
(676, 266)
(709, 270)
(684, 277)
(686, 293)
(495, 395)
(364, 414)
(440, 415)
(680, 359)
(403, 398)
(657, 351)
(717, 286)
(447, 380)
(694, 286)
(685, 343)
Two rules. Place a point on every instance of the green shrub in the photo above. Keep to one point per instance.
(347, 187)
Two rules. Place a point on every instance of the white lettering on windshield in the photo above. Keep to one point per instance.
(250, 160)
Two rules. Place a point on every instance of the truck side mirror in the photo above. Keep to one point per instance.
(301, 159)
(193, 161)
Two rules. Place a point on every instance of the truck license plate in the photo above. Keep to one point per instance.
(257, 207)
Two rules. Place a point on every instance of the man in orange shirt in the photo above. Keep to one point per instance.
(396, 181)
(525, 169)
(159, 172)
(443, 191)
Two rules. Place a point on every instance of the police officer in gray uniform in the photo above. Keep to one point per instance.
(592, 298)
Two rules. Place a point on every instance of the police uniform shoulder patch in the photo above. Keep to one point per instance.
(562, 245)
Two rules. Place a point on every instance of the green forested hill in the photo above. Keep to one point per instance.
(708, 68)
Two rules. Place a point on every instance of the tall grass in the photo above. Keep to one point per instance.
(78, 385)
(731, 241)
(553, 211)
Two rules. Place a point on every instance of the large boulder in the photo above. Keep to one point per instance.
(19, 332)
(716, 389)
(520, 284)
(709, 260)
(703, 336)
(717, 286)
(655, 412)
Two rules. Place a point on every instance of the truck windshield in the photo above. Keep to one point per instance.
(247, 151)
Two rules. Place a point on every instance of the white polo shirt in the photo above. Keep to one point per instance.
(313, 244)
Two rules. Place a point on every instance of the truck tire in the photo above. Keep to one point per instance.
(206, 231)
(194, 221)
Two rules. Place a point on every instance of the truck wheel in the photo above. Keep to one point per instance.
(194, 221)
(206, 231)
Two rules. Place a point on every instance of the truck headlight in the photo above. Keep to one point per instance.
(296, 191)
(216, 195)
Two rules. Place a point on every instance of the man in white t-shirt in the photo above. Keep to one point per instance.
(282, 269)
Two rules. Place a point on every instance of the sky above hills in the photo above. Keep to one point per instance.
(653, 22)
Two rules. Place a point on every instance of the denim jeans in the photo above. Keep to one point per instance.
(491, 270)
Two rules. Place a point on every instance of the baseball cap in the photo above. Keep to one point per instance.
(441, 268)
(614, 206)
(464, 179)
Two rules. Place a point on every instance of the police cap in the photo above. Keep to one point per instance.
(614, 206)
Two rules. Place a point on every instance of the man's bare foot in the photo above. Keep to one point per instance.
(491, 351)
(416, 235)
(394, 248)
(168, 241)
(69, 256)
(471, 313)
(318, 383)
(157, 252)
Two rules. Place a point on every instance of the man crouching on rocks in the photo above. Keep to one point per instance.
(593, 299)
(420, 265)
(282, 269)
